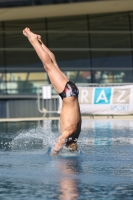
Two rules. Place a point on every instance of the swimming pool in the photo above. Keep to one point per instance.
(103, 170)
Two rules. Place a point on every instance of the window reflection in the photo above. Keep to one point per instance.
(68, 185)
(26, 82)
(110, 76)
(79, 76)
(2, 83)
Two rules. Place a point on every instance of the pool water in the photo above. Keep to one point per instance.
(102, 171)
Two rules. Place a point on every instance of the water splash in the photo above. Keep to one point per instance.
(33, 139)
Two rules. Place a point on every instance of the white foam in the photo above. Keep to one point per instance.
(34, 138)
(65, 152)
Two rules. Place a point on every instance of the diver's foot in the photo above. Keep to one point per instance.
(30, 35)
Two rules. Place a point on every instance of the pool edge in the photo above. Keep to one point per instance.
(129, 117)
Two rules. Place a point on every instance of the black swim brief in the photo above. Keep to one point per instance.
(70, 90)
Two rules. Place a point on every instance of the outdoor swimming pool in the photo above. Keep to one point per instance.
(103, 170)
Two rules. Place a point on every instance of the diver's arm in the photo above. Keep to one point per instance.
(61, 141)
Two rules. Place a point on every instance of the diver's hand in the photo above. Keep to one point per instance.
(54, 153)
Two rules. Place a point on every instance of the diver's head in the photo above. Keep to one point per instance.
(72, 146)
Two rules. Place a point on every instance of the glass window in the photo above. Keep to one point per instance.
(107, 35)
(110, 31)
(131, 20)
(1, 34)
(113, 76)
(14, 36)
(23, 60)
(26, 82)
(1, 46)
(1, 59)
(16, 56)
(2, 83)
(72, 59)
(79, 76)
(66, 32)
(69, 33)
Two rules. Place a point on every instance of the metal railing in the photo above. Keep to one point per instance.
(49, 105)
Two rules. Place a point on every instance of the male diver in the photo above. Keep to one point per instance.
(70, 116)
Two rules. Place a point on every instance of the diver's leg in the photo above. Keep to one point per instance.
(57, 79)
(52, 56)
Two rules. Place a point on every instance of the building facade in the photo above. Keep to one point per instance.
(91, 46)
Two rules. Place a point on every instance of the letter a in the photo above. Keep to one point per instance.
(102, 96)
